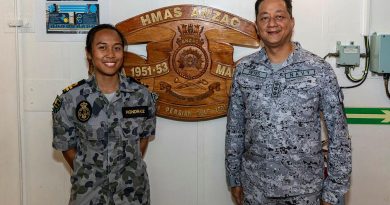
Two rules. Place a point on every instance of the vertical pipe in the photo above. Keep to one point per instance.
(19, 95)
(201, 165)
(366, 17)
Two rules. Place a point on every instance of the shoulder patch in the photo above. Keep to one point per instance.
(74, 85)
(57, 104)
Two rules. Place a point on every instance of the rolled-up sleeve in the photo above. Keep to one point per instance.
(63, 127)
(149, 126)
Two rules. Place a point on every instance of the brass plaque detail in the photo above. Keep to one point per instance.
(189, 59)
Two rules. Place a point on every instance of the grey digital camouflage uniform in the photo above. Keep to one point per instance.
(108, 167)
(273, 139)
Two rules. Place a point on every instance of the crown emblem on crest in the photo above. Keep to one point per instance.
(190, 34)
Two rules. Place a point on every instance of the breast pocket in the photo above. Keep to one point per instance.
(302, 90)
(129, 141)
(92, 142)
(92, 130)
(132, 128)
(133, 121)
(254, 94)
(252, 87)
(302, 99)
(302, 84)
(251, 82)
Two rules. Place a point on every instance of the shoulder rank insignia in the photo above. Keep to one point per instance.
(74, 85)
(83, 111)
(57, 104)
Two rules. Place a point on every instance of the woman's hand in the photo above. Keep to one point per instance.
(237, 194)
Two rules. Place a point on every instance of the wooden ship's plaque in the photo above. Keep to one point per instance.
(189, 61)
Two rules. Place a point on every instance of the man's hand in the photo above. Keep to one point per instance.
(237, 194)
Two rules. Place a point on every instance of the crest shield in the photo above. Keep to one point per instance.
(189, 61)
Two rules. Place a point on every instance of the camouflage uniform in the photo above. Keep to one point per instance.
(273, 139)
(108, 167)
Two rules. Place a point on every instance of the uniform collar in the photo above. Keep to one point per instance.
(297, 56)
(125, 84)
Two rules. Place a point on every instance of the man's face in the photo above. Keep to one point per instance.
(274, 23)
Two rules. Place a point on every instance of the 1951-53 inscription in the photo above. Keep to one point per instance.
(189, 59)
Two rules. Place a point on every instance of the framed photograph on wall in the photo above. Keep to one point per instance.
(69, 20)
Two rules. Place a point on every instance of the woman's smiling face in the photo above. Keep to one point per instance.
(107, 53)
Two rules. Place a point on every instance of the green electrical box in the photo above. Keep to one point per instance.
(380, 53)
(349, 55)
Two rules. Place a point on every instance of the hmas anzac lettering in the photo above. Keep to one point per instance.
(225, 70)
(189, 61)
(215, 15)
(158, 16)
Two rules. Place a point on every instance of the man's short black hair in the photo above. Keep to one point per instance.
(288, 5)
